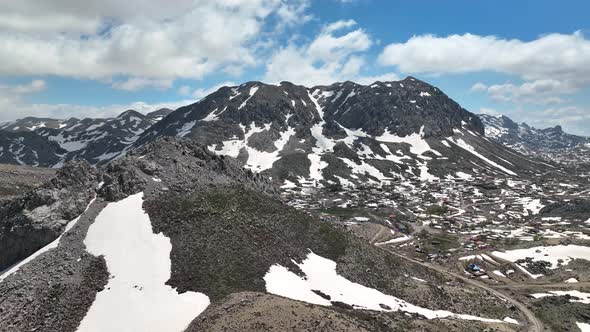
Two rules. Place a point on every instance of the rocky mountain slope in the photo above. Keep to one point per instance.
(549, 142)
(173, 229)
(33, 220)
(51, 142)
(17, 180)
(343, 133)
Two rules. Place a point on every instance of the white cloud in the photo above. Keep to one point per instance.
(339, 25)
(328, 47)
(201, 93)
(65, 111)
(552, 67)
(574, 119)
(11, 95)
(479, 87)
(293, 13)
(145, 43)
(489, 111)
(137, 83)
(546, 91)
(184, 90)
(13, 105)
(335, 54)
(372, 79)
(558, 56)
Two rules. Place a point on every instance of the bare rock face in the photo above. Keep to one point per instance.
(33, 220)
(16, 180)
(173, 164)
(577, 208)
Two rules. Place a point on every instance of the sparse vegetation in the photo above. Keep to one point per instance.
(437, 209)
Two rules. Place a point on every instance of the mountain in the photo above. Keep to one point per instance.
(173, 236)
(343, 133)
(529, 140)
(28, 148)
(51, 142)
(158, 115)
(32, 123)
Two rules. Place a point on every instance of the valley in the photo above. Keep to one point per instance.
(384, 207)
(518, 238)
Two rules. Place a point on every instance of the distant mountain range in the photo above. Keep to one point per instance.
(343, 133)
(527, 139)
(51, 142)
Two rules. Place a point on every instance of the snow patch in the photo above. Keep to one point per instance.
(136, 297)
(320, 275)
(418, 144)
(549, 254)
(462, 144)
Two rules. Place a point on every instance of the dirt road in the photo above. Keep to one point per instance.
(533, 323)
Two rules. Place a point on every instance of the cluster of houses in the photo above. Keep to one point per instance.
(482, 214)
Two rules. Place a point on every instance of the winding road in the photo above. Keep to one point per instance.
(533, 323)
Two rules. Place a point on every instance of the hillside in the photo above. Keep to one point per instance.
(195, 230)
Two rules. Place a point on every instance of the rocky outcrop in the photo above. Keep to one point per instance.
(177, 165)
(576, 208)
(33, 220)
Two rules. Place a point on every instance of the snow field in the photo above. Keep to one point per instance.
(136, 297)
(320, 274)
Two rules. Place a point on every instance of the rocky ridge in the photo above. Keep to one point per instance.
(51, 142)
(525, 138)
(344, 133)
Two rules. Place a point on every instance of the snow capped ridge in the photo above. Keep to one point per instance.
(340, 132)
(95, 140)
(323, 134)
(530, 140)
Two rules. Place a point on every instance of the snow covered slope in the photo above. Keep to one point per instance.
(51, 142)
(343, 133)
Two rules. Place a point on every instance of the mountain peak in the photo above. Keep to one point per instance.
(130, 113)
(530, 140)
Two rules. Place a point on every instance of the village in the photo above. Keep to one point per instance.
(452, 222)
(528, 238)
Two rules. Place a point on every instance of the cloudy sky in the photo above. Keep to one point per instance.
(527, 59)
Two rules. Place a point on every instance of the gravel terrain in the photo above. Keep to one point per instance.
(17, 180)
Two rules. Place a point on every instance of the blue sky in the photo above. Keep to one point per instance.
(527, 59)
